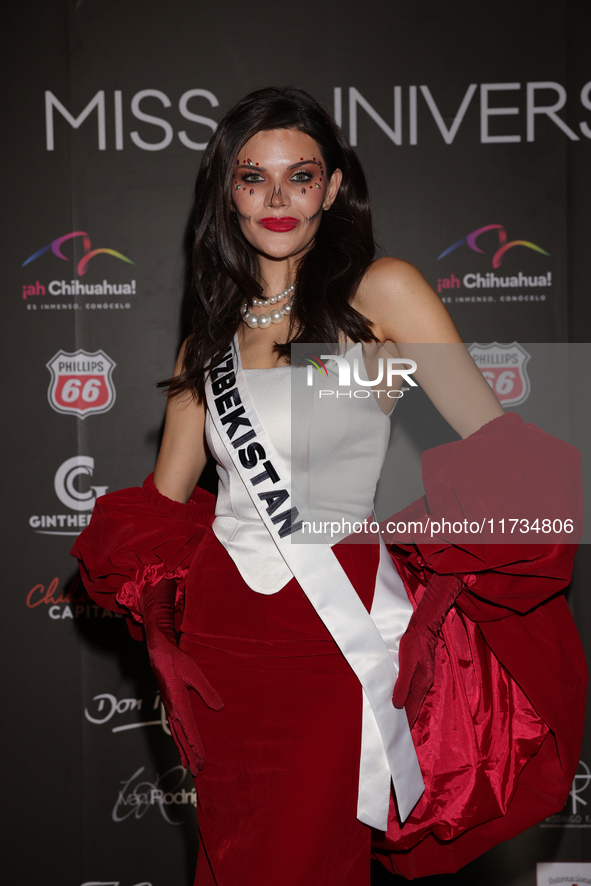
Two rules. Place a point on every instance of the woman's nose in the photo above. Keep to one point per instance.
(276, 200)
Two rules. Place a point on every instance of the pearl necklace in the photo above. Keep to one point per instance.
(277, 315)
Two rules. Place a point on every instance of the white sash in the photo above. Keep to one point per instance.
(368, 642)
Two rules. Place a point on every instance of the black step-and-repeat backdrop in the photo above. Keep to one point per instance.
(473, 122)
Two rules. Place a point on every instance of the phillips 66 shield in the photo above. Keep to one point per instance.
(504, 368)
(81, 383)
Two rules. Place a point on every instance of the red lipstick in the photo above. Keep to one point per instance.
(279, 224)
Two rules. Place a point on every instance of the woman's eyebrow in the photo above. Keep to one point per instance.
(263, 169)
(303, 162)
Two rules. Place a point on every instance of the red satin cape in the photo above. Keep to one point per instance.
(499, 735)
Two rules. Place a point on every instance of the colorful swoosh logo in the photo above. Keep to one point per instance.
(504, 246)
(55, 247)
(317, 362)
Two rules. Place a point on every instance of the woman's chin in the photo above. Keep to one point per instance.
(282, 249)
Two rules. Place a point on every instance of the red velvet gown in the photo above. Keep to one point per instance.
(498, 737)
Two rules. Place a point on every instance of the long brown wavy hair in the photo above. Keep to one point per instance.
(225, 269)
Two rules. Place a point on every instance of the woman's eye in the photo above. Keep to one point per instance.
(302, 177)
(253, 178)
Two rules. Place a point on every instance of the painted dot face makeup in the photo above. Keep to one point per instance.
(252, 174)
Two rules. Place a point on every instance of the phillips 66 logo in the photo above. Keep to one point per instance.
(504, 368)
(81, 382)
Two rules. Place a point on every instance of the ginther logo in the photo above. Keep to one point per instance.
(394, 368)
(65, 490)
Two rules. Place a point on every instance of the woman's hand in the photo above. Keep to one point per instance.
(416, 655)
(176, 673)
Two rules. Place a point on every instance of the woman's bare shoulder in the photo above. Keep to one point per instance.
(401, 304)
(392, 281)
(390, 269)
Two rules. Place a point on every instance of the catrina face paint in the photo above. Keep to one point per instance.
(280, 190)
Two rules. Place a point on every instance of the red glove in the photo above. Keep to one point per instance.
(417, 646)
(175, 672)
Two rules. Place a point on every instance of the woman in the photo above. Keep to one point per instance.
(299, 735)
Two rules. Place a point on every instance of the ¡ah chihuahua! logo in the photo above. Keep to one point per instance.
(75, 287)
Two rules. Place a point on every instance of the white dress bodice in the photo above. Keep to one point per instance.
(335, 455)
